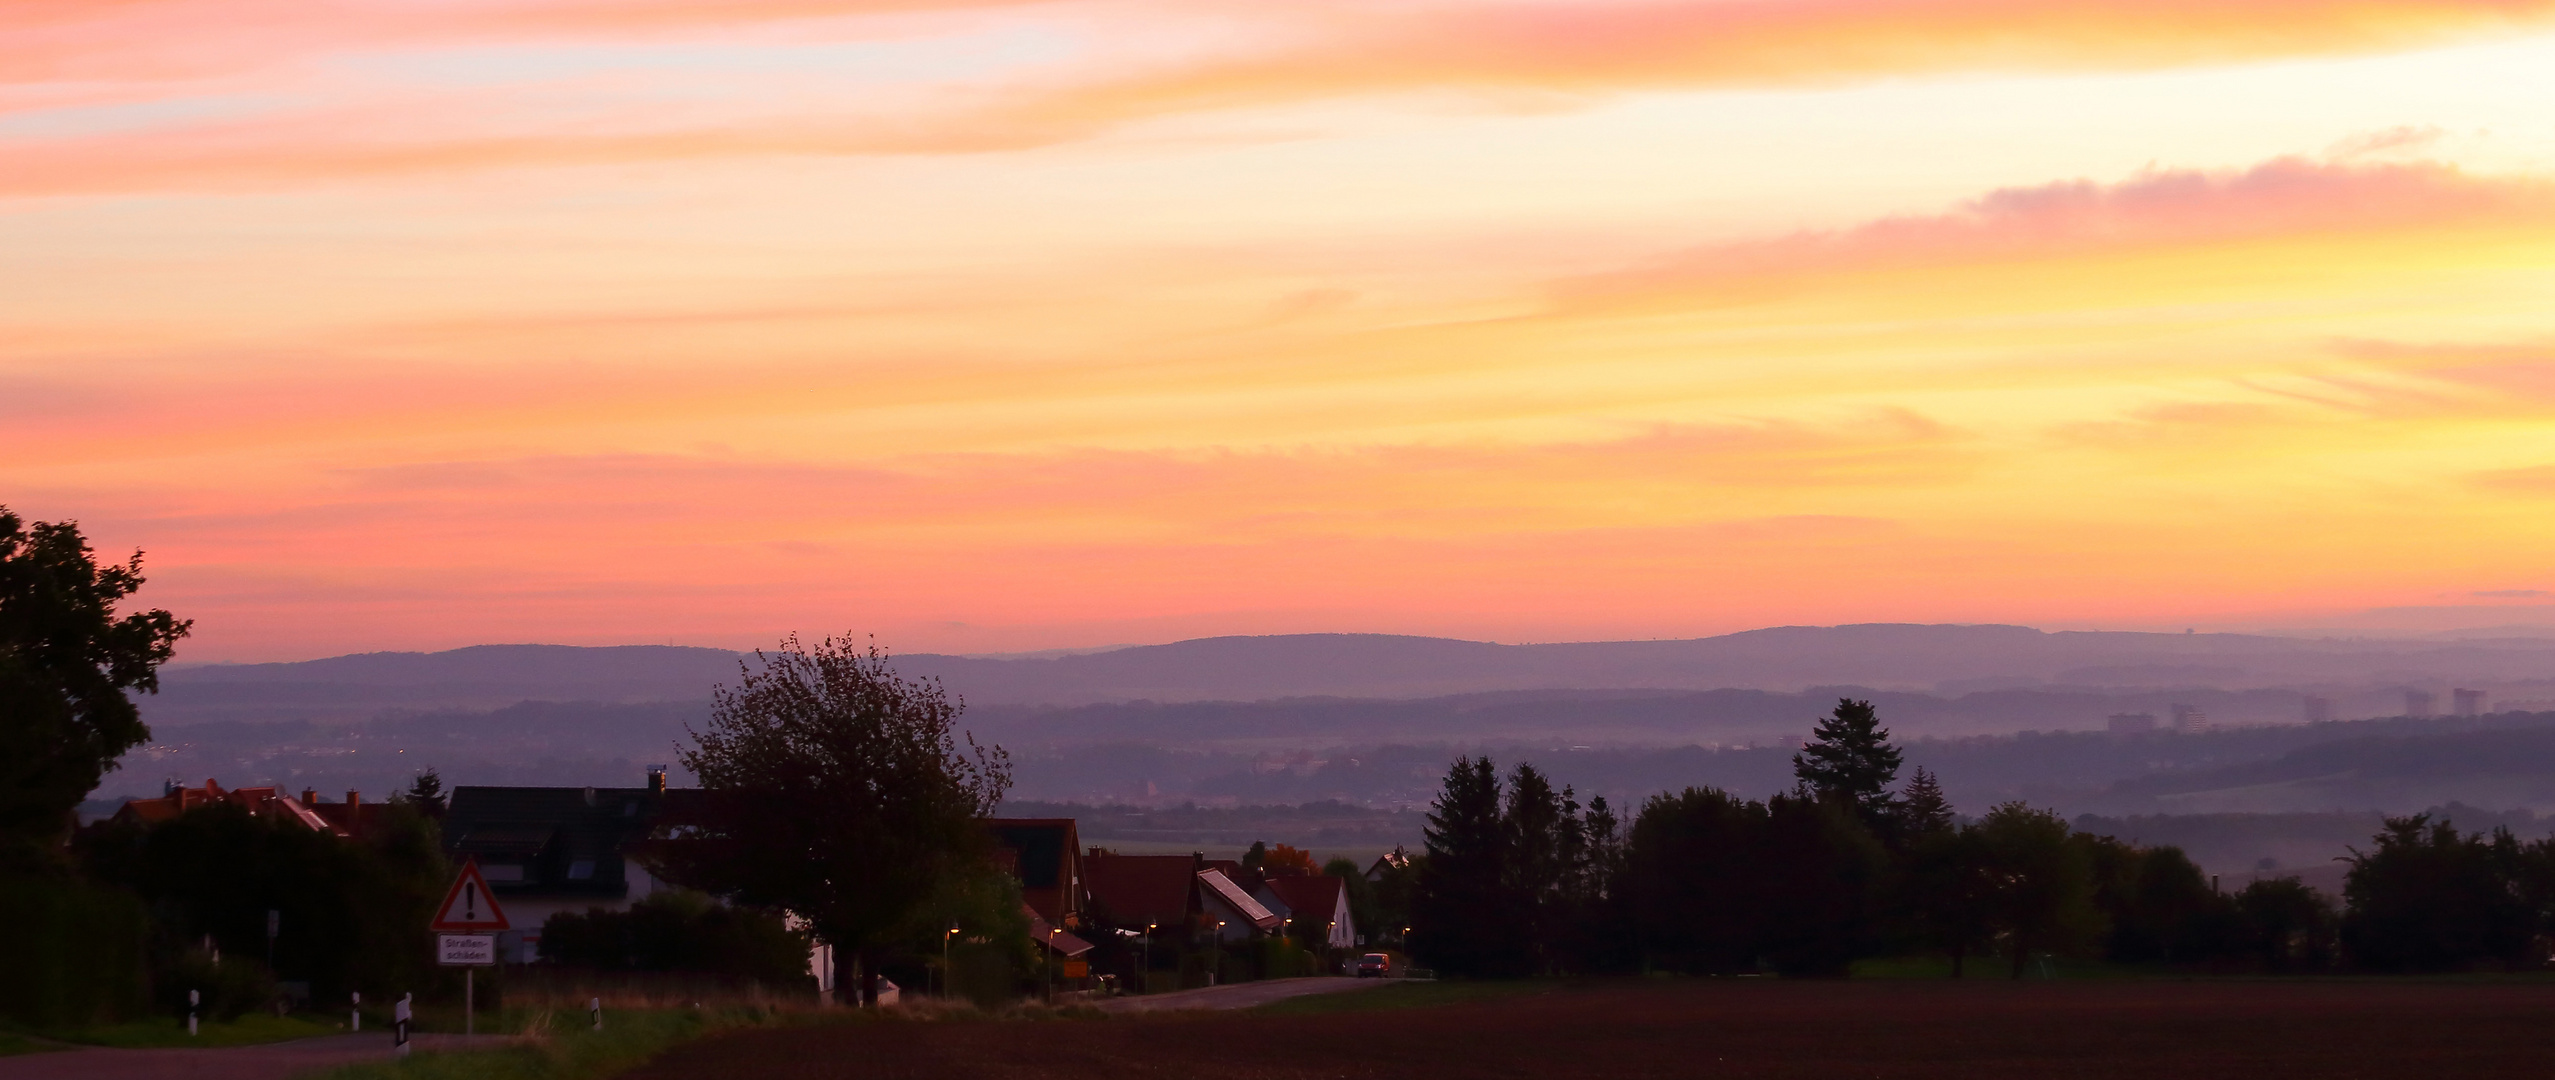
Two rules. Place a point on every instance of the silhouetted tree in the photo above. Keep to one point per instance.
(1849, 759)
(1922, 811)
(2425, 898)
(1949, 893)
(2285, 925)
(1689, 870)
(68, 665)
(1463, 916)
(2159, 904)
(835, 789)
(1287, 860)
(1818, 872)
(426, 793)
(2040, 895)
(1542, 843)
(350, 909)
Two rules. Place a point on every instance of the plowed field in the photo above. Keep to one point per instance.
(1733, 1028)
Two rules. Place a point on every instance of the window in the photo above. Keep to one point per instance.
(581, 870)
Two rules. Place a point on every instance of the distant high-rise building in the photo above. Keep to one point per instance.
(2131, 723)
(2467, 702)
(2420, 703)
(2189, 720)
(2319, 710)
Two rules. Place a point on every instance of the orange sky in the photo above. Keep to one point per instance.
(988, 326)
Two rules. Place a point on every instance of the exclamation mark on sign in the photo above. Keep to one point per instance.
(470, 902)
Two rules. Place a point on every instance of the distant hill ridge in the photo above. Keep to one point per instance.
(1930, 658)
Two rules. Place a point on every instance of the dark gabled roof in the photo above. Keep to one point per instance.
(1310, 896)
(552, 830)
(1140, 889)
(1039, 847)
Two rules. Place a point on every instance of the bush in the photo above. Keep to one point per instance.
(227, 988)
(72, 953)
(983, 973)
(352, 910)
(678, 931)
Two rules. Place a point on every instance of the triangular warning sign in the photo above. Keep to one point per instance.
(469, 908)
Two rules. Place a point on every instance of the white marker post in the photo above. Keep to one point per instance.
(193, 998)
(355, 1013)
(399, 1024)
(596, 1004)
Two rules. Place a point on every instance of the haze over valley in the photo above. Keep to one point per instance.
(1367, 723)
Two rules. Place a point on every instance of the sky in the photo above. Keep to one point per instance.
(986, 326)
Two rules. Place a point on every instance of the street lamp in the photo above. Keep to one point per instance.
(944, 956)
(1144, 978)
(1219, 951)
(1051, 963)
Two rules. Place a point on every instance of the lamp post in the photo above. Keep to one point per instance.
(1218, 977)
(1051, 963)
(944, 956)
(1144, 977)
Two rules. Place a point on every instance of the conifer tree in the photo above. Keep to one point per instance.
(1462, 920)
(1850, 760)
(1922, 810)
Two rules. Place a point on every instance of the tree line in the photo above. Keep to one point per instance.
(1851, 865)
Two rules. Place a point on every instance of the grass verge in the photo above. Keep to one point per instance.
(13, 1045)
(562, 1046)
(1412, 994)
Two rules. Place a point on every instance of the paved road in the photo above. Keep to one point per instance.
(1236, 996)
(271, 1061)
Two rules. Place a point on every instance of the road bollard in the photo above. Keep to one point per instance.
(355, 1013)
(399, 1024)
(193, 998)
(596, 1005)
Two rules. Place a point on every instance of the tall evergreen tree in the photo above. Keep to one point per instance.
(1542, 840)
(1850, 760)
(1922, 810)
(1462, 920)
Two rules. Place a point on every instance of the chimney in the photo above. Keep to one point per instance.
(354, 799)
(656, 780)
(310, 796)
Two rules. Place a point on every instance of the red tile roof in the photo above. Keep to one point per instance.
(1314, 896)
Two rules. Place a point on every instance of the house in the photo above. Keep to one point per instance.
(1045, 854)
(1317, 905)
(1394, 860)
(266, 802)
(545, 850)
(1151, 891)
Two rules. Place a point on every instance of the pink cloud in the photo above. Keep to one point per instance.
(2288, 197)
(164, 52)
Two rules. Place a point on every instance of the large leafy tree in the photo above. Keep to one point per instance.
(1849, 760)
(2427, 898)
(2041, 882)
(834, 788)
(67, 664)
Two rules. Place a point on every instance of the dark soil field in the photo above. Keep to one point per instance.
(1735, 1028)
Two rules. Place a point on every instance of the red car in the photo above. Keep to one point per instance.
(1374, 964)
